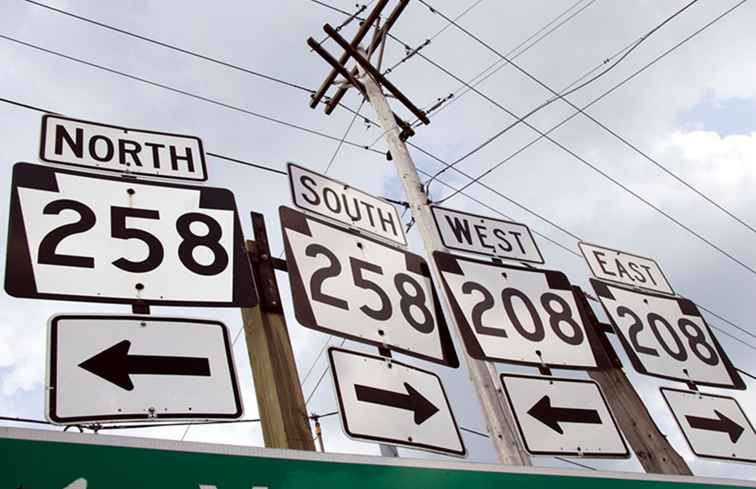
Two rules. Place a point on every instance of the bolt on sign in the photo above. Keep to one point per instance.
(108, 368)
(472, 233)
(87, 461)
(100, 238)
(515, 314)
(345, 204)
(666, 336)
(121, 149)
(357, 287)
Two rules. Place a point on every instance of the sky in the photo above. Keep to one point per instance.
(694, 112)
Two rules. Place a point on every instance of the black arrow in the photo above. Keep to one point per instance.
(551, 416)
(723, 424)
(116, 365)
(411, 401)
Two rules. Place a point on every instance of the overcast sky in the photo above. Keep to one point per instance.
(694, 112)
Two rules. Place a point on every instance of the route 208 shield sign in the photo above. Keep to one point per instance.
(361, 288)
(84, 237)
(666, 336)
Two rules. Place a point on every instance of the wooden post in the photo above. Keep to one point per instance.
(285, 422)
(654, 452)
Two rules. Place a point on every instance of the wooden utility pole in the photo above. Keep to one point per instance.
(370, 82)
(283, 414)
(654, 452)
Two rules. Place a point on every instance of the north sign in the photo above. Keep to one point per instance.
(472, 233)
(360, 288)
(557, 416)
(515, 314)
(666, 336)
(135, 368)
(714, 426)
(121, 149)
(343, 203)
(55, 460)
(381, 400)
(625, 268)
(83, 237)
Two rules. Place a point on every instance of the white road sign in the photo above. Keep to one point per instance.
(515, 314)
(337, 200)
(557, 416)
(83, 237)
(625, 268)
(121, 149)
(129, 368)
(363, 289)
(382, 400)
(714, 426)
(482, 235)
(666, 336)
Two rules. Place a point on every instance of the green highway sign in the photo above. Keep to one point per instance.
(40, 459)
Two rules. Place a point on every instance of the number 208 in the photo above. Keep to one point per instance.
(48, 254)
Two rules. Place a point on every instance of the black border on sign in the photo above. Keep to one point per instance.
(563, 379)
(290, 218)
(620, 252)
(685, 435)
(53, 376)
(339, 182)
(446, 262)
(401, 442)
(19, 273)
(532, 238)
(601, 289)
(43, 138)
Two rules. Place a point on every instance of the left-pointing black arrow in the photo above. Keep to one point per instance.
(551, 416)
(411, 401)
(116, 365)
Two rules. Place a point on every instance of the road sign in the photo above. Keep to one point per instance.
(121, 149)
(625, 268)
(515, 314)
(339, 201)
(127, 368)
(387, 401)
(482, 235)
(557, 416)
(363, 289)
(128, 462)
(714, 426)
(666, 336)
(83, 237)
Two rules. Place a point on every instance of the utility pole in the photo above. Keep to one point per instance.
(508, 447)
(283, 414)
(652, 448)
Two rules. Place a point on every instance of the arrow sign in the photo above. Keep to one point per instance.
(411, 401)
(381, 401)
(551, 416)
(116, 365)
(722, 423)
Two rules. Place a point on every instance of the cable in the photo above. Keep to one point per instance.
(325, 371)
(346, 133)
(317, 357)
(561, 459)
(746, 374)
(188, 94)
(171, 46)
(596, 121)
(519, 120)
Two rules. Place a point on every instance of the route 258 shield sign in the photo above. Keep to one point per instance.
(84, 237)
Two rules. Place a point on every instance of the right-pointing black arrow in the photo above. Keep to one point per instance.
(411, 401)
(116, 365)
(551, 416)
(722, 423)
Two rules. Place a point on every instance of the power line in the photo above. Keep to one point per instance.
(561, 96)
(346, 133)
(188, 94)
